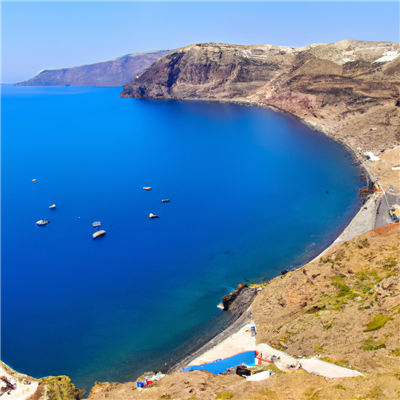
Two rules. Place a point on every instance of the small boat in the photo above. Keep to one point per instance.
(98, 233)
(42, 222)
(165, 201)
(147, 188)
(33, 180)
(52, 206)
(153, 215)
(96, 224)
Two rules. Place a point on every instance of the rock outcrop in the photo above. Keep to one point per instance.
(116, 72)
(350, 89)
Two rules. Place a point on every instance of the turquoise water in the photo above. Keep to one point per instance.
(248, 190)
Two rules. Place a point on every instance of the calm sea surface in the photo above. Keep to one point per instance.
(248, 190)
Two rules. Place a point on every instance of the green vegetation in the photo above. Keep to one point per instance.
(224, 395)
(312, 393)
(309, 391)
(362, 244)
(377, 323)
(329, 326)
(323, 260)
(340, 363)
(395, 352)
(389, 263)
(340, 285)
(319, 348)
(60, 387)
(370, 347)
(266, 367)
(341, 387)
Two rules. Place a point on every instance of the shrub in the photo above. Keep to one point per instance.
(377, 323)
(363, 243)
(224, 395)
(339, 387)
(370, 347)
(340, 285)
(395, 352)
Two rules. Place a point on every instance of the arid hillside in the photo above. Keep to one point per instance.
(343, 307)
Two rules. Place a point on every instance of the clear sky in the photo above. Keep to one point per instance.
(39, 35)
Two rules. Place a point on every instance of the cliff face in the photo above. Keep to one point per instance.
(116, 72)
(349, 88)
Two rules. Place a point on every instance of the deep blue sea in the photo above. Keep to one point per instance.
(248, 190)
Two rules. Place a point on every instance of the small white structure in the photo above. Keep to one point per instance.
(372, 156)
(261, 376)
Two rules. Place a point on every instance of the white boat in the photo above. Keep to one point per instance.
(52, 206)
(147, 188)
(42, 222)
(98, 233)
(153, 216)
(165, 201)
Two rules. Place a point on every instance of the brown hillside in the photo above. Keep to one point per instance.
(323, 308)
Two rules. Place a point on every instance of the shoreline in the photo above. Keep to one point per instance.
(351, 229)
(237, 321)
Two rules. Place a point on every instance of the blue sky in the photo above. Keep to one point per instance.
(38, 35)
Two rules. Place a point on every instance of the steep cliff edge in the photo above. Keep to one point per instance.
(350, 89)
(116, 72)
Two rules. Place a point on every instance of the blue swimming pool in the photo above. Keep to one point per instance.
(217, 367)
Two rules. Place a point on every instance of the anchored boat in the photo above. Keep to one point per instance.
(147, 188)
(52, 206)
(153, 215)
(98, 233)
(42, 222)
(165, 201)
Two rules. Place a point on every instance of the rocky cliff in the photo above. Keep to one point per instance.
(350, 89)
(116, 72)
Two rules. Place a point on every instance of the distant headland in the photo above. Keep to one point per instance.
(116, 72)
